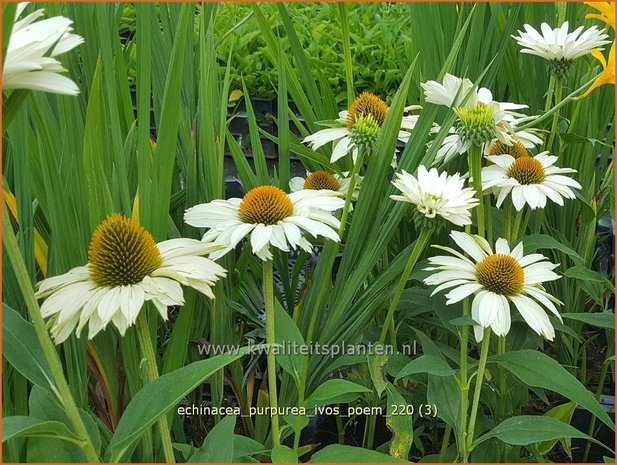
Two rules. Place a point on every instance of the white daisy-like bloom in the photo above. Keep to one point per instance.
(30, 61)
(558, 44)
(496, 279)
(529, 180)
(480, 118)
(453, 92)
(329, 181)
(125, 268)
(271, 218)
(359, 127)
(436, 194)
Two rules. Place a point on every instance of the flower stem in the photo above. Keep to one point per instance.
(478, 389)
(464, 386)
(474, 157)
(501, 390)
(507, 221)
(352, 186)
(539, 219)
(558, 93)
(517, 226)
(535, 121)
(62, 390)
(311, 329)
(418, 248)
(152, 373)
(268, 289)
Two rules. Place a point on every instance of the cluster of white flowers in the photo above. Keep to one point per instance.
(127, 268)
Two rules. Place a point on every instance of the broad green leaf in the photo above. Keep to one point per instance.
(539, 370)
(601, 319)
(245, 447)
(337, 453)
(562, 413)
(45, 406)
(542, 241)
(376, 367)
(585, 274)
(288, 335)
(159, 396)
(334, 391)
(218, 447)
(526, 429)
(426, 364)
(22, 426)
(400, 424)
(283, 454)
(22, 349)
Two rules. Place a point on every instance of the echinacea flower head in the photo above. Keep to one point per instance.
(496, 279)
(559, 47)
(529, 180)
(270, 217)
(436, 195)
(318, 180)
(358, 128)
(517, 149)
(30, 61)
(125, 268)
(480, 118)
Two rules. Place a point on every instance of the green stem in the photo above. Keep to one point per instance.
(372, 422)
(322, 291)
(445, 443)
(268, 289)
(418, 248)
(489, 220)
(539, 220)
(501, 391)
(558, 92)
(535, 121)
(340, 428)
(517, 226)
(474, 157)
(603, 373)
(464, 386)
(352, 186)
(507, 221)
(478, 389)
(549, 94)
(49, 351)
(152, 373)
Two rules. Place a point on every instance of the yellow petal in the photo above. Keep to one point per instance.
(607, 11)
(608, 75)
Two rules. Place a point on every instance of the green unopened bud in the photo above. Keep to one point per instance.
(476, 124)
(559, 67)
(365, 133)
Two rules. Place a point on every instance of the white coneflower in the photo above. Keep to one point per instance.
(495, 279)
(559, 47)
(530, 180)
(270, 217)
(480, 118)
(30, 61)
(126, 268)
(359, 127)
(436, 194)
(318, 180)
